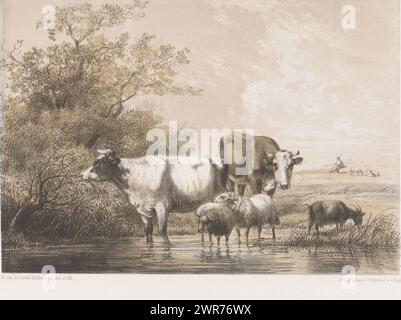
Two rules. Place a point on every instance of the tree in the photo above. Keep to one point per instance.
(65, 99)
(85, 71)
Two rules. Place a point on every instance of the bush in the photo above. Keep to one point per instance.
(62, 102)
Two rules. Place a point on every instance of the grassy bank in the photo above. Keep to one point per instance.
(179, 224)
(377, 232)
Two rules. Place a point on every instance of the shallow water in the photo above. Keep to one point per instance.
(188, 255)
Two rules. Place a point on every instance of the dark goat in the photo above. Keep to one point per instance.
(332, 212)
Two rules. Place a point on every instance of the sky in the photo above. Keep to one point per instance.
(286, 69)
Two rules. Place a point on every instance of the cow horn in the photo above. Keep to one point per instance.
(105, 150)
(297, 153)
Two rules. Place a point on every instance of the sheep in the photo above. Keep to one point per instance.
(249, 212)
(332, 212)
(372, 173)
(356, 172)
(217, 218)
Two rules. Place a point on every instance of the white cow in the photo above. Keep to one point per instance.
(158, 185)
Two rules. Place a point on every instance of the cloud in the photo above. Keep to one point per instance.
(220, 66)
(288, 70)
(348, 128)
(318, 87)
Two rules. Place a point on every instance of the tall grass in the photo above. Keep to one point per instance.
(378, 232)
(106, 215)
(103, 215)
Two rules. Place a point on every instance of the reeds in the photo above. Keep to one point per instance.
(378, 232)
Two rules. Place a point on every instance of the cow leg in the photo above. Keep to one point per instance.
(230, 186)
(317, 228)
(203, 237)
(210, 238)
(162, 217)
(273, 231)
(247, 233)
(272, 190)
(254, 187)
(241, 189)
(259, 231)
(148, 224)
(238, 234)
(227, 238)
(259, 186)
(218, 240)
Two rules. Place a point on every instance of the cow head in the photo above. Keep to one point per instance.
(104, 168)
(283, 162)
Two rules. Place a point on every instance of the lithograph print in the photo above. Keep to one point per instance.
(210, 136)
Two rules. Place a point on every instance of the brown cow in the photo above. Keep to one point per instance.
(272, 166)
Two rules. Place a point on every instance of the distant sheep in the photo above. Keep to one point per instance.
(356, 172)
(332, 212)
(217, 219)
(372, 173)
(251, 212)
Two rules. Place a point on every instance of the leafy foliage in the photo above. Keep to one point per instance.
(64, 100)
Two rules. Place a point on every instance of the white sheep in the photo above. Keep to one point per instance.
(251, 212)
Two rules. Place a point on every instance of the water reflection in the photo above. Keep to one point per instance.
(188, 255)
(214, 253)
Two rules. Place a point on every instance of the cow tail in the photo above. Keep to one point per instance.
(222, 171)
(224, 175)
